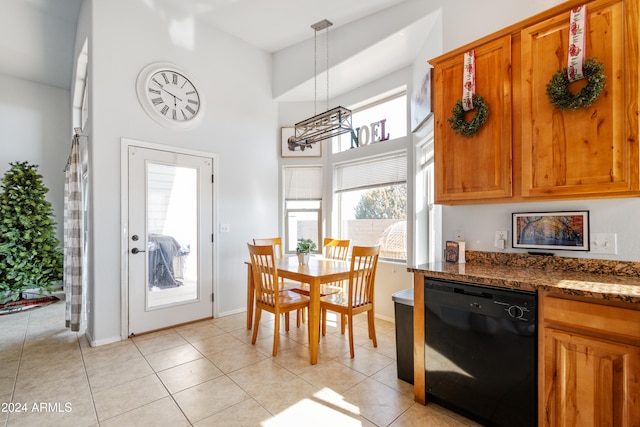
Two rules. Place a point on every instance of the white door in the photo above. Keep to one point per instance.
(170, 244)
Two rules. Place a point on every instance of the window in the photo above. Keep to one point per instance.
(372, 204)
(386, 118)
(302, 206)
(428, 221)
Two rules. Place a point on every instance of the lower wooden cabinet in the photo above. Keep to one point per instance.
(589, 364)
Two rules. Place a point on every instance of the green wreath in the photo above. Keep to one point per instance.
(558, 87)
(469, 128)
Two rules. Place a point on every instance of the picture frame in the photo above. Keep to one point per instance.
(421, 103)
(562, 230)
(314, 150)
(451, 252)
(455, 251)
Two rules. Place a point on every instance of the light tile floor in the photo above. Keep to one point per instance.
(202, 374)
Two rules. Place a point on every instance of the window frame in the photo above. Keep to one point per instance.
(287, 211)
(310, 194)
(338, 190)
(337, 143)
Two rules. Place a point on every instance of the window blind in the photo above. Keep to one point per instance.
(372, 173)
(302, 183)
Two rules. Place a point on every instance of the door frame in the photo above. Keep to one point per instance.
(125, 143)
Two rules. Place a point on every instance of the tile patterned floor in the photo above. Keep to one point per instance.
(202, 374)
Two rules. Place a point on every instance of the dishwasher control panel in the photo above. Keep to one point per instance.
(520, 312)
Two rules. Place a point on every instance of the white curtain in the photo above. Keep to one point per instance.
(73, 233)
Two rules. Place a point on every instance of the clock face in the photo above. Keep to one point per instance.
(168, 96)
(173, 95)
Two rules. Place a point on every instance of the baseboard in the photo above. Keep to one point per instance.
(94, 343)
(229, 313)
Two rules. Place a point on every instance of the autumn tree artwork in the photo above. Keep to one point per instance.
(552, 230)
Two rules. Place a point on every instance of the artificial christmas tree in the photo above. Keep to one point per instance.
(29, 254)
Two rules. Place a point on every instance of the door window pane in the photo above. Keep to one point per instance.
(172, 231)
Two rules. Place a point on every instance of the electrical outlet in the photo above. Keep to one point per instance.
(500, 239)
(604, 243)
(225, 228)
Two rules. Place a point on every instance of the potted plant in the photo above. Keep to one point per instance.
(304, 248)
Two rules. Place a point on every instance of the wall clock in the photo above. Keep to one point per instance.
(169, 95)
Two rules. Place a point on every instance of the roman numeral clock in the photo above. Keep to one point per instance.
(169, 96)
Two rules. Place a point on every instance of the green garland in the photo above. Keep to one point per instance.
(470, 128)
(558, 87)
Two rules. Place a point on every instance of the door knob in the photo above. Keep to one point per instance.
(135, 251)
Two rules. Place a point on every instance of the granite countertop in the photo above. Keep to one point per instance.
(608, 280)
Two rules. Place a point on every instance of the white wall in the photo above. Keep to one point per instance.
(479, 224)
(35, 126)
(239, 127)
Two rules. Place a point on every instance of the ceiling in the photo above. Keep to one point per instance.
(271, 25)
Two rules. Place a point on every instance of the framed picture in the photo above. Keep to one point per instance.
(567, 231)
(451, 251)
(421, 103)
(290, 149)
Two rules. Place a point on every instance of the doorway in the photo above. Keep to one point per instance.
(169, 238)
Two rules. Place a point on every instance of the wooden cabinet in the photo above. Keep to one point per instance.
(592, 151)
(589, 364)
(479, 166)
(528, 150)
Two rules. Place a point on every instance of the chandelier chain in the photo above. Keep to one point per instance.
(327, 95)
(315, 72)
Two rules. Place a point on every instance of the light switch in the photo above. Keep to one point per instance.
(604, 243)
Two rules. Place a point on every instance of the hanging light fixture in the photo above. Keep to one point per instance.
(332, 122)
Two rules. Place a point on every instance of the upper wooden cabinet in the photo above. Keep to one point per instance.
(528, 150)
(592, 151)
(478, 166)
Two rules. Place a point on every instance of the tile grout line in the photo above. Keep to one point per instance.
(162, 382)
(15, 378)
(86, 374)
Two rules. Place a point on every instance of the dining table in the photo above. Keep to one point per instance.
(315, 273)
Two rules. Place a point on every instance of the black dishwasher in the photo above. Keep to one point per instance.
(481, 352)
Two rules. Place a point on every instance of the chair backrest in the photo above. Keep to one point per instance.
(276, 242)
(336, 248)
(265, 274)
(364, 262)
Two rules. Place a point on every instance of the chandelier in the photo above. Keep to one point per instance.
(332, 122)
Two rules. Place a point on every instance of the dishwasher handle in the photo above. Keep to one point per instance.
(473, 293)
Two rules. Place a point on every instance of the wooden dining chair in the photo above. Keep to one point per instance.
(336, 248)
(358, 295)
(332, 249)
(276, 242)
(269, 296)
